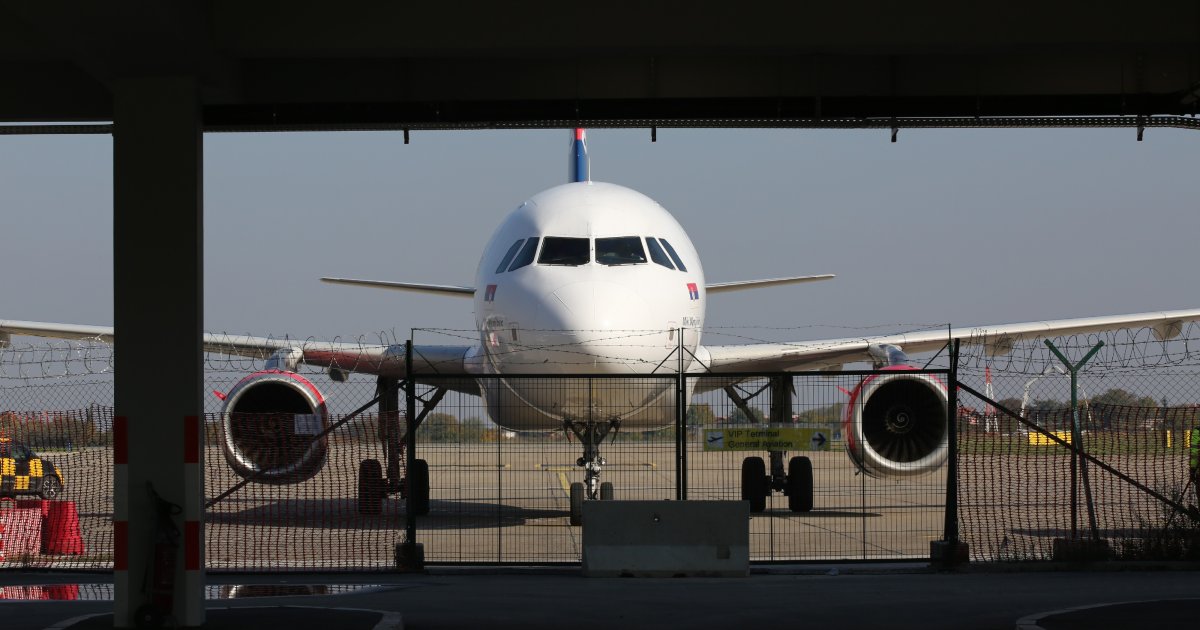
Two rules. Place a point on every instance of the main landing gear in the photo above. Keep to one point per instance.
(796, 483)
(373, 484)
(591, 435)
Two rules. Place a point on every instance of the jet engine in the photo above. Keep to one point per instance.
(270, 427)
(896, 423)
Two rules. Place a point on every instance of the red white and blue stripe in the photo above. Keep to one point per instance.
(581, 167)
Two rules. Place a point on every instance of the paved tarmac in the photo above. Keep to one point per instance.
(836, 596)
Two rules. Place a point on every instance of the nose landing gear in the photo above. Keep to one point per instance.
(591, 434)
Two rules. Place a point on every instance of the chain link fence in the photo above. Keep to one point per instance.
(1025, 477)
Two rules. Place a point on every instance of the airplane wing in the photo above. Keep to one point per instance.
(378, 359)
(998, 339)
(724, 287)
(416, 287)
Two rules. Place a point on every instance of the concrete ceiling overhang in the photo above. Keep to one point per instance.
(354, 64)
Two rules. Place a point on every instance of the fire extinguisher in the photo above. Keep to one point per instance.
(159, 583)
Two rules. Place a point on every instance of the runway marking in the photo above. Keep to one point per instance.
(566, 485)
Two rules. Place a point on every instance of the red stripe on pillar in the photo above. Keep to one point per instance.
(191, 546)
(121, 440)
(191, 440)
(120, 545)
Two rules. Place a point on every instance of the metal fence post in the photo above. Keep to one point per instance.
(415, 554)
(950, 533)
(950, 551)
(680, 425)
(1077, 458)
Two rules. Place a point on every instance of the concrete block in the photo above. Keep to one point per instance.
(410, 557)
(1080, 550)
(946, 554)
(666, 538)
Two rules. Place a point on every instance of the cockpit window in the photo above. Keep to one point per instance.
(620, 250)
(563, 250)
(512, 251)
(526, 255)
(657, 254)
(674, 256)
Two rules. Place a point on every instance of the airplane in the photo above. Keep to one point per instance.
(592, 278)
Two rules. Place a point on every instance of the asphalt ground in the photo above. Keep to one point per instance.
(509, 503)
(834, 596)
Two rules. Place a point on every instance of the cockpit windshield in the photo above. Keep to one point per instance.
(620, 250)
(673, 254)
(563, 250)
(512, 253)
(657, 254)
(526, 256)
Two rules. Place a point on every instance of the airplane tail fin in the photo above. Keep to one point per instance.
(581, 167)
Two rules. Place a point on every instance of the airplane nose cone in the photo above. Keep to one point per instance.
(597, 322)
(598, 306)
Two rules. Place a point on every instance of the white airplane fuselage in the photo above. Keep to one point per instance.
(583, 303)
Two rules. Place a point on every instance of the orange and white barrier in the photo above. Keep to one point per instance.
(22, 531)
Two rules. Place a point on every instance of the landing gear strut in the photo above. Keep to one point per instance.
(797, 481)
(591, 434)
(373, 484)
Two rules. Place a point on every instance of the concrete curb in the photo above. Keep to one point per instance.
(1033, 622)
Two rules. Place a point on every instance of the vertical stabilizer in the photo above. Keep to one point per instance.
(581, 167)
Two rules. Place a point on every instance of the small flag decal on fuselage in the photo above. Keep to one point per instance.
(693, 292)
(490, 294)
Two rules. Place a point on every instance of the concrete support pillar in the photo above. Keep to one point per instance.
(158, 316)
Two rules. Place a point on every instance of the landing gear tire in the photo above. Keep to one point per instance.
(754, 483)
(370, 487)
(800, 484)
(577, 493)
(418, 485)
(606, 491)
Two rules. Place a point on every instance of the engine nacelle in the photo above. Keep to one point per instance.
(269, 426)
(896, 423)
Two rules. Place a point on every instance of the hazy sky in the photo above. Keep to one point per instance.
(955, 226)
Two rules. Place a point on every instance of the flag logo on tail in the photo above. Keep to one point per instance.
(490, 294)
(693, 292)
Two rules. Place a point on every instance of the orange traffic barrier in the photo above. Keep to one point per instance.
(60, 531)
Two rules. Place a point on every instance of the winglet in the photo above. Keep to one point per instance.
(580, 167)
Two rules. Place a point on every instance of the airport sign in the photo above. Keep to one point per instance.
(768, 438)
